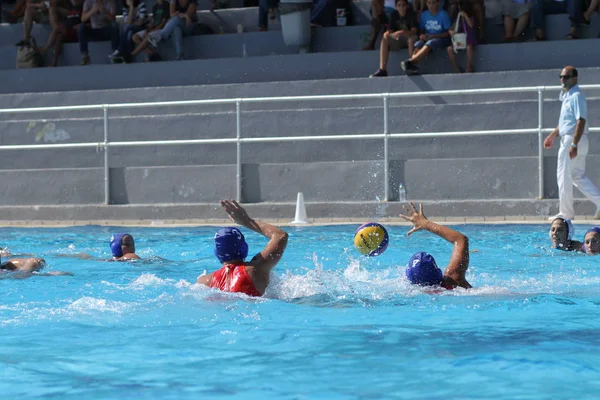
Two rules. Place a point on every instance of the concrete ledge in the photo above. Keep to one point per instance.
(485, 211)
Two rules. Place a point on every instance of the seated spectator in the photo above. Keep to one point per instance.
(160, 16)
(266, 11)
(401, 34)
(35, 11)
(435, 24)
(381, 12)
(587, 14)
(101, 15)
(467, 26)
(135, 19)
(182, 23)
(64, 22)
(541, 8)
(477, 11)
(515, 11)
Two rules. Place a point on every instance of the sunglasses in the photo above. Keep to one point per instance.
(565, 76)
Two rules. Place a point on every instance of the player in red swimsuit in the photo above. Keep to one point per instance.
(236, 275)
(422, 268)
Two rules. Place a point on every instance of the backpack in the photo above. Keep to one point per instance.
(28, 55)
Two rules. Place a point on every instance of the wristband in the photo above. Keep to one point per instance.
(573, 145)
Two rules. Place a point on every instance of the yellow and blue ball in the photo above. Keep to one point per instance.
(371, 239)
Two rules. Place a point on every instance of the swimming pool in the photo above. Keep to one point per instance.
(334, 325)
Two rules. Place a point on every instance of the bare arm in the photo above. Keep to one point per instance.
(205, 279)
(28, 264)
(549, 141)
(459, 260)
(273, 251)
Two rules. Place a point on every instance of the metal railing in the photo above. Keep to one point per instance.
(239, 140)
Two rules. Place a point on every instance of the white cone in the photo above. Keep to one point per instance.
(300, 217)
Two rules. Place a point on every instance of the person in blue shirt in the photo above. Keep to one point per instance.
(435, 24)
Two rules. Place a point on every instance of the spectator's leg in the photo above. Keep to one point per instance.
(178, 39)
(420, 54)
(58, 44)
(479, 12)
(522, 23)
(470, 54)
(263, 15)
(587, 14)
(378, 19)
(142, 45)
(113, 34)
(384, 51)
(83, 32)
(538, 16)
(576, 15)
(125, 39)
(411, 45)
(452, 57)
(168, 28)
(28, 22)
(509, 28)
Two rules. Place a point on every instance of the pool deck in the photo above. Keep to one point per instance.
(167, 215)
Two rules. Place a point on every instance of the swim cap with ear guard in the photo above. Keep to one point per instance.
(116, 241)
(230, 245)
(423, 270)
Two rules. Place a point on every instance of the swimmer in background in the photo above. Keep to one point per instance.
(26, 267)
(591, 241)
(236, 275)
(122, 247)
(422, 268)
(561, 233)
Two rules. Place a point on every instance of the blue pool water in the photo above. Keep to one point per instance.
(333, 325)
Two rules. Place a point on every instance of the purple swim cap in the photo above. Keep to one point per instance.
(116, 241)
(422, 270)
(594, 229)
(230, 244)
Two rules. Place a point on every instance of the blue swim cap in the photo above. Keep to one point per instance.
(594, 229)
(422, 270)
(116, 241)
(230, 245)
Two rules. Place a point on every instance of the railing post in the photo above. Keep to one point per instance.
(106, 158)
(540, 143)
(238, 166)
(386, 156)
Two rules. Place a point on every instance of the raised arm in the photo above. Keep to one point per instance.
(273, 251)
(459, 261)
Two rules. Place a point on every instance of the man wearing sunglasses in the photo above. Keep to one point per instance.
(574, 143)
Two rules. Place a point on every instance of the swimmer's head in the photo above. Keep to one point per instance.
(230, 245)
(561, 231)
(591, 241)
(423, 270)
(120, 242)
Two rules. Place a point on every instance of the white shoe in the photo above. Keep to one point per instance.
(113, 54)
(154, 38)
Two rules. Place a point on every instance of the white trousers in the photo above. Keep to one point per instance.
(571, 173)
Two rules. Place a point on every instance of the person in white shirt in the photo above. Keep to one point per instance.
(574, 144)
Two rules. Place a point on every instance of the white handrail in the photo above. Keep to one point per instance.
(239, 140)
(527, 89)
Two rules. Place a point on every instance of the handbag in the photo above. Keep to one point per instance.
(28, 55)
(459, 40)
